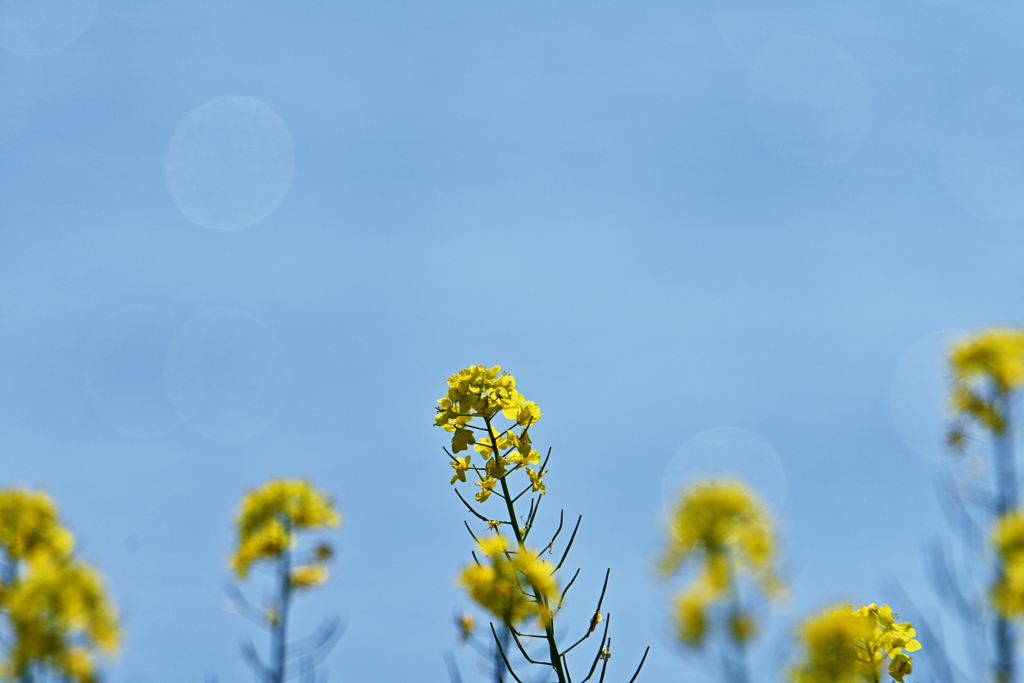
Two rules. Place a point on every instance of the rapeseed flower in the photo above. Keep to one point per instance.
(461, 466)
(57, 610)
(514, 586)
(848, 646)
(986, 368)
(29, 526)
(1008, 540)
(724, 527)
(482, 392)
(271, 516)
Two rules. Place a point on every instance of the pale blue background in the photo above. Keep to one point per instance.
(662, 217)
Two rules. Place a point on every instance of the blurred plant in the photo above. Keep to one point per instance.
(986, 372)
(268, 525)
(848, 646)
(725, 528)
(57, 614)
(483, 409)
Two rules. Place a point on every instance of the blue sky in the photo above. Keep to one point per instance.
(664, 218)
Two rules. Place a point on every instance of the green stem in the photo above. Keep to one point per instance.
(280, 633)
(1006, 500)
(549, 628)
(504, 486)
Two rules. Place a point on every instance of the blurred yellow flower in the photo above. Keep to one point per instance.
(986, 368)
(57, 610)
(726, 528)
(501, 586)
(308, 575)
(847, 646)
(271, 515)
(29, 527)
(1008, 540)
(466, 624)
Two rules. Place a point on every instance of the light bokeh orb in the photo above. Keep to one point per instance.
(226, 375)
(726, 453)
(918, 396)
(230, 163)
(38, 27)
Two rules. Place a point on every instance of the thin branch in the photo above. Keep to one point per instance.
(566, 590)
(469, 507)
(600, 648)
(453, 668)
(596, 611)
(641, 663)
(501, 650)
(561, 519)
(571, 539)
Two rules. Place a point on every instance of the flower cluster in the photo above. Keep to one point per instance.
(1008, 540)
(514, 586)
(58, 613)
(269, 520)
(985, 369)
(847, 646)
(481, 393)
(723, 524)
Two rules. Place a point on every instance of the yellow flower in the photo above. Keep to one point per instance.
(499, 587)
(29, 527)
(527, 415)
(986, 368)
(846, 646)
(466, 625)
(691, 616)
(900, 666)
(486, 487)
(308, 575)
(994, 354)
(271, 515)
(496, 467)
(741, 627)
(725, 527)
(536, 481)
(463, 439)
(520, 459)
(58, 615)
(481, 392)
(461, 465)
(1007, 592)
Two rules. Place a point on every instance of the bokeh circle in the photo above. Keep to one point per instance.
(726, 453)
(124, 371)
(230, 163)
(918, 396)
(808, 100)
(39, 27)
(226, 374)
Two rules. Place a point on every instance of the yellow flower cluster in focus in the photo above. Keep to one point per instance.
(269, 520)
(57, 610)
(514, 586)
(726, 527)
(480, 392)
(848, 646)
(986, 368)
